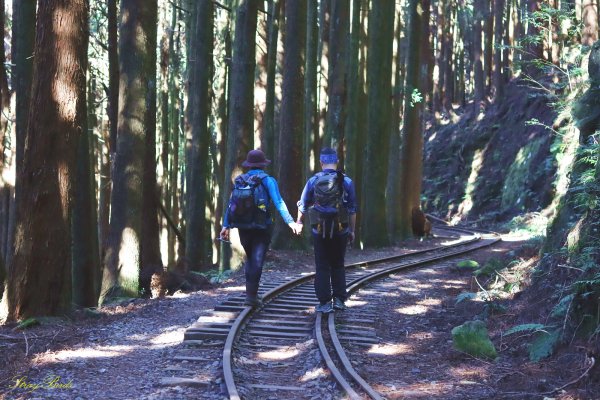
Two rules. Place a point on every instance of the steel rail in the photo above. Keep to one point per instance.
(247, 312)
(355, 285)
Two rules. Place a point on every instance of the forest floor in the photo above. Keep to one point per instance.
(126, 350)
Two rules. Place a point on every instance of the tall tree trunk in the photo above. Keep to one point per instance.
(240, 130)
(40, 281)
(534, 51)
(136, 130)
(23, 38)
(323, 75)
(412, 139)
(351, 125)
(589, 15)
(498, 81)
(488, 25)
(479, 80)
(198, 220)
(310, 89)
(268, 144)
(86, 258)
(336, 110)
(292, 110)
(6, 188)
(379, 82)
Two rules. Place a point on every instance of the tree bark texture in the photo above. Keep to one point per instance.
(137, 99)
(290, 157)
(478, 10)
(336, 110)
(198, 220)
(412, 137)
(40, 281)
(379, 84)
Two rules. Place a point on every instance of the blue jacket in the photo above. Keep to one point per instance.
(271, 185)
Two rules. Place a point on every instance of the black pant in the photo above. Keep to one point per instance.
(330, 272)
(255, 243)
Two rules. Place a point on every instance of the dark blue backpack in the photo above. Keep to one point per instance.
(249, 202)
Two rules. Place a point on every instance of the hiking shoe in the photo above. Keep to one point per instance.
(338, 304)
(254, 302)
(324, 308)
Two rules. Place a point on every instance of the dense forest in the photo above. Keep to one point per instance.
(123, 124)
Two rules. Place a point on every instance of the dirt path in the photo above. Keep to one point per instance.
(129, 349)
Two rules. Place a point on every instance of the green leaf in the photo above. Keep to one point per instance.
(560, 310)
(543, 346)
(524, 328)
(28, 323)
(465, 296)
(472, 338)
(467, 264)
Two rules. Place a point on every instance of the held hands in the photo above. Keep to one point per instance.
(224, 234)
(295, 227)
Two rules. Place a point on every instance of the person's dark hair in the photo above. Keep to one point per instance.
(328, 156)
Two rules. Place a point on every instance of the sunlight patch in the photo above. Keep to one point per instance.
(390, 349)
(167, 338)
(281, 354)
(315, 373)
(413, 309)
(87, 352)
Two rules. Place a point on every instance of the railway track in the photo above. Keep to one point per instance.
(278, 351)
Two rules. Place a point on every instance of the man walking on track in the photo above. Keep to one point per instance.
(248, 210)
(329, 198)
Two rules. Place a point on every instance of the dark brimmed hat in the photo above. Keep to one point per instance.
(328, 156)
(256, 158)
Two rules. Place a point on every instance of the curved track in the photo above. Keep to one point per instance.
(283, 329)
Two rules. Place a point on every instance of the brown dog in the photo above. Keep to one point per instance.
(421, 226)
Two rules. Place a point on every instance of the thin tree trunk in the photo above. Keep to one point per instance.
(241, 97)
(351, 135)
(6, 189)
(589, 15)
(379, 78)
(498, 81)
(336, 110)
(488, 25)
(310, 88)
(268, 144)
(478, 9)
(136, 131)
(323, 75)
(86, 257)
(40, 281)
(292, 113)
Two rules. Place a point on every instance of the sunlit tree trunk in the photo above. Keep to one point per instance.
(290, 154)
(6, 189)
(379, 82)
(478, 10)
(40, 280)
(351, 125)
(589, 16)
(498, 81)
(269, 117)
(412, 139)
(136, 131)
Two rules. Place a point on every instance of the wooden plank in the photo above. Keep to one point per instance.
(191, 382)
(276, 387)
(271, 334)
(198, 335)
(359, 339)
(279, 328)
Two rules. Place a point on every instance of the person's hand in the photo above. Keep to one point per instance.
(295, 227)
(224, 234)
(351, 238)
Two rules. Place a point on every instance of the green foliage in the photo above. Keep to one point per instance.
(544, 344)
(490, 267)
(467, 264)
(561, 309)
(472, 338)
(466, 296)
(524, 328)
(28, 323)
(415, 97)
(216, 276)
